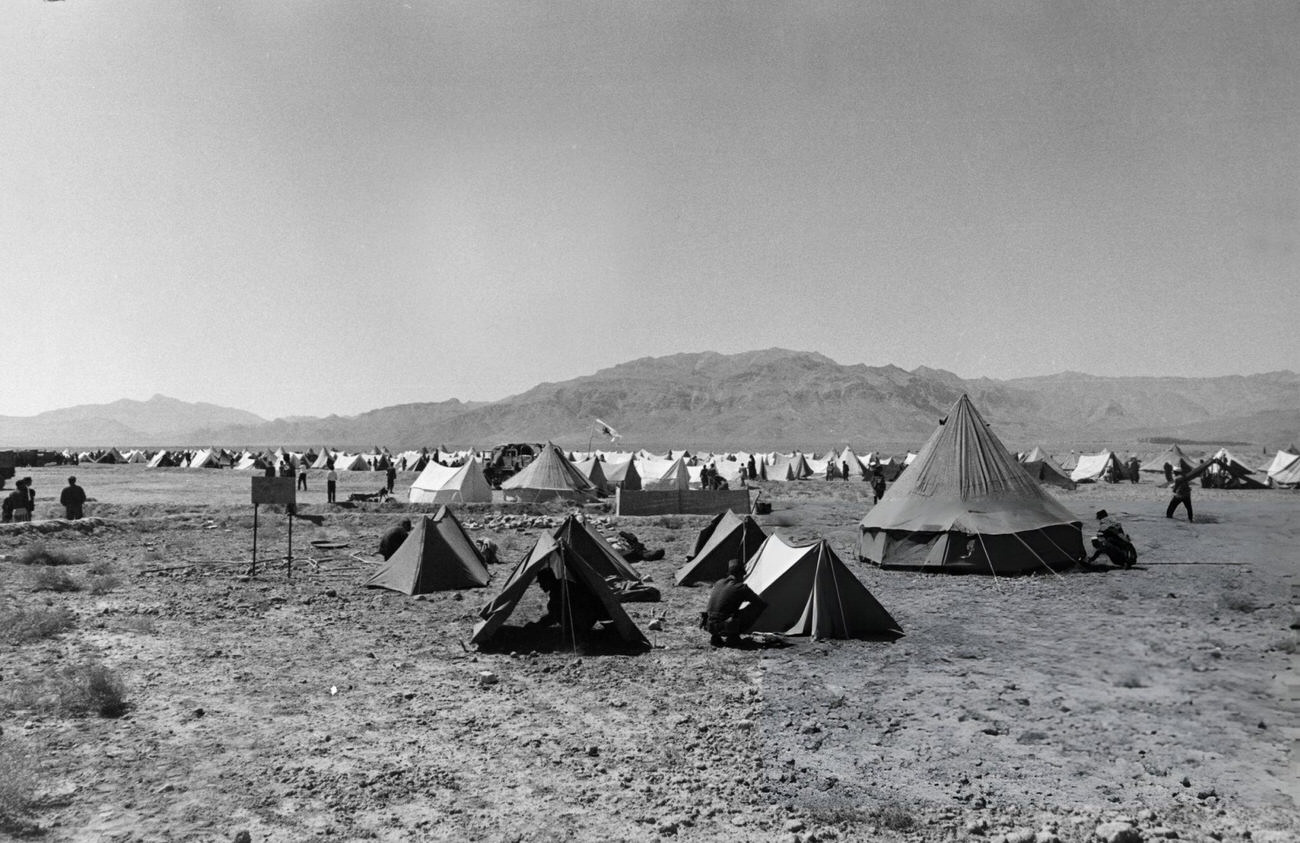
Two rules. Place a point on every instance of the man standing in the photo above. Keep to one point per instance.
(724, 615)
(1182, 495)
(393, 539)
(331, 483)
(302, 479)
(73, 499)
(391, 475)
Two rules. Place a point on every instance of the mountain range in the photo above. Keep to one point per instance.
(773, 398)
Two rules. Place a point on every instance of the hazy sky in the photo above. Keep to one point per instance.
(299, 207)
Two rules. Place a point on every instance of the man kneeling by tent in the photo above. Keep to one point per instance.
(724, 615)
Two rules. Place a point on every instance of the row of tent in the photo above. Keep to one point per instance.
(806, 589)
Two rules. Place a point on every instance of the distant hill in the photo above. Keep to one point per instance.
(773, 398)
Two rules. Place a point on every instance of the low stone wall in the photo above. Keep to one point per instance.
(678, 502)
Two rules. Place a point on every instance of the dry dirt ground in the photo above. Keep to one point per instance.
(310, 708)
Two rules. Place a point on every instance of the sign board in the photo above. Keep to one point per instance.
(279, 490)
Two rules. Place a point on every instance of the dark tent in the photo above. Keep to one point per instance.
(573, 573)
(729, 536)
(438, 555)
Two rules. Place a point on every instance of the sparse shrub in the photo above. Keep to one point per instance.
(1239, 602)
(102, 584)
(102, 569)
(670, 522)
(1131, 679)
(91, 687)
(896, 818)
(19, 625)
(17, 784)
(39, 554)
(52, 579)
(142, 624)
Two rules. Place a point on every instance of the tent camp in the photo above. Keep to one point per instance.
(1093, 468)
(809, 591)
(1224, 471)
(438, 555)
(573, 572)
(966, 505)
(350, 462)
(443, 484)
(857, 467)
(323, 458)
(593, 470)
(548, 477)
(792, 467)
(728, 536)
(162, 459)
(252, 462)
(207, 458)
(621, 474)
(1044, 469)
(661, 475)
(1173, 456)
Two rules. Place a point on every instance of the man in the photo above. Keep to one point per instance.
(732, 606)
(16, 503)
(844, 469)
(73, 499)
(391, 476)
(877, 486)
(1113, 541)
(302, 479)
(1182, 495)
(1134, 466)
(331, 484)
(393, 539)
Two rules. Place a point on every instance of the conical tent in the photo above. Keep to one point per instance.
(966, 505)
(571, 571)
(1044, 469)
(442, 484)
(730, 536)
(793, 467)
(547, 477)
(857, 468)
(438, 555)
(1173, 455)
(809, 591)
(323, 458)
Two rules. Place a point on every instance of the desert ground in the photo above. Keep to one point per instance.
(1154, 703)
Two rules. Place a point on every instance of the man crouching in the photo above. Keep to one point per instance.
(732, 606)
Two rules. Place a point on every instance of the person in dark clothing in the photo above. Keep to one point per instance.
(732, 606)
(1113, 541)
(31, 497)
(1134, 466)
(331, 483)
(844, 469)
(73, 499)
(302, 480)
(391, 476)
(1169, 473)
(393, 539)
(1182, 495)
(15, 504)
(877, 486)
(751, 470)
(568, 603)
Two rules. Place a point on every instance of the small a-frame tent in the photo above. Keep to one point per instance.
(662, 475)
(857, 468)
(438, 555)
(350, 462)
(1044, 469)
(603, 559)
(111, 457)
(548, 477)
(252, 462)
(442, 484)
(323, 459)
(729, 536)
(1093, 467)
(966, 506)
(809, 591)
(622, 474)
(1173, 456)
(793, 467)
(206, 458)
(162, 459)
(571, 571)
(591, 468)
(1225, 472)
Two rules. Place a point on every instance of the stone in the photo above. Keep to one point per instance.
(1117, 832)
(794, 825)
(1046, 836)
(243, 837)
(979, 825)
(486, 678)
(1020, 835)
(1163, 832)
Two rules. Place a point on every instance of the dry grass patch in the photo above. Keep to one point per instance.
(21, 626)
(52, 579)
(17, 784)
(77, 690)
(39, 554)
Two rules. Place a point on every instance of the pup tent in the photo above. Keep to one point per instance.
(438, 555)
(784, 469)
(583, 594)
(1044, 469)
(621, 474)
(592, 469)
(1092, 468)
(443, 484)
(663, 475)
(548, 477)
(809, 591)
(1224, 471)
(728, 536)
(966, 506)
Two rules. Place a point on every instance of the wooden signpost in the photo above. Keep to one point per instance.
(274, 490)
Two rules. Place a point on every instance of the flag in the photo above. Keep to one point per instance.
(608, 431)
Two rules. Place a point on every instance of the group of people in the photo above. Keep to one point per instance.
(20, 504)
(1120, 471)
(711, 480)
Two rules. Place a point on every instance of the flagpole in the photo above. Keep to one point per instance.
(591, 436)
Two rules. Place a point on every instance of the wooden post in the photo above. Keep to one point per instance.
(253, 571)
(289, 515)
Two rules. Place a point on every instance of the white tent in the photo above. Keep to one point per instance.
(207, 458)
(160, 460)
(658, 475)
(443, 484)
(350, 462)
(1287, 475)
(1092, 467)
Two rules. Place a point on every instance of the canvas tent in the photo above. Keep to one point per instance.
(1224, 471)
(661, 475)
(967, 505)
(438, 555)
(350, 462)
(1173, 455)
(1044, 469)
(793, 467)
(207, 458)
(1287, 475)
(592, 469)
(810, 591)
(443, 484)
(598, 553)
(548, 477)
(621, 474)
(1092, 468)
(572, 571)
(323, 459)
(857, 468)
(162, 459)
(728, 536)
(252, 462)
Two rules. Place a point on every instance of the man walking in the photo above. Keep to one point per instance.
(1182, 495)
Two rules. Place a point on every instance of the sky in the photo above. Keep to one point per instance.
(302, 208)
